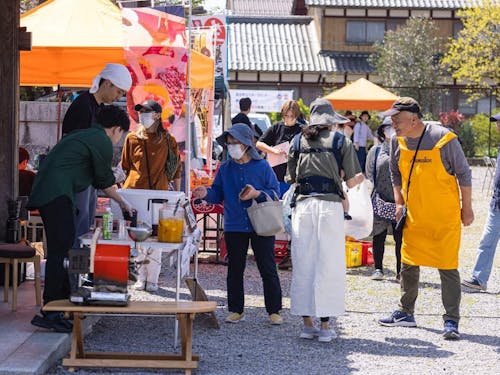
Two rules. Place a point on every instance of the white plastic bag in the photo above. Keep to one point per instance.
(287, 210)
(361, 210)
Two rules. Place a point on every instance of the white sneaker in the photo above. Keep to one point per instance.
(378, 274)
(326, 335)
(152, 287)
(139, 285)
(309, 332)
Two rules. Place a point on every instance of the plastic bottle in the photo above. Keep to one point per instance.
(107, 224)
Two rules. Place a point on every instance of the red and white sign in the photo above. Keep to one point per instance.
(219, 25)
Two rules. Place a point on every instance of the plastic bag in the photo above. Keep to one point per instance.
(361, 210)
(287, 210)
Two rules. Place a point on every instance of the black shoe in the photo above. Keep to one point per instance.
(347, 216)
(286, 263)
(54, 321)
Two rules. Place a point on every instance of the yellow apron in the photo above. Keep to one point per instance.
(431, 236)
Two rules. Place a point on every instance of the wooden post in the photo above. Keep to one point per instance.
(9, 103)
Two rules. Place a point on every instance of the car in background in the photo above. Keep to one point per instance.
(261, 120)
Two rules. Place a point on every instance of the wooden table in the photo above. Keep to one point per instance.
(184, 311)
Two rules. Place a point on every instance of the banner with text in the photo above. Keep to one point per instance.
(262, 100)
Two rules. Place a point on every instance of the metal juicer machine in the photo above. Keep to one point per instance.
(112, 266)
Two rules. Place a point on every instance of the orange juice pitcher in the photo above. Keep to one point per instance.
(171, 223)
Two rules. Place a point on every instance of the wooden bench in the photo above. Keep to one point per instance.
(183, 310)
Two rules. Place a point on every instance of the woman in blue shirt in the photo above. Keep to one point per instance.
(239, 180)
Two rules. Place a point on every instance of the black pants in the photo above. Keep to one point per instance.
(263, 248)
(57, 217)
(379, 247)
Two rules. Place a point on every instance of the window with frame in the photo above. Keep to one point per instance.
(363, 32)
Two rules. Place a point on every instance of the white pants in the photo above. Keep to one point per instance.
(151, 271)
(318, 258)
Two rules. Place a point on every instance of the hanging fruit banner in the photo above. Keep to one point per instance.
(156, 55)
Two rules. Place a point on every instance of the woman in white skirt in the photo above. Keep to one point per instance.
(318, 239)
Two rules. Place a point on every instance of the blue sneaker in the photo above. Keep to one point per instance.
(451, 330)
(398, 319)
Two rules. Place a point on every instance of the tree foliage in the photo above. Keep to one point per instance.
(473, 57)
(407, 60)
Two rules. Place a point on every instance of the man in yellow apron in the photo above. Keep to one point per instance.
(426, 164)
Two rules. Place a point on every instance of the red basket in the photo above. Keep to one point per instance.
(280, 249)
(366, 253)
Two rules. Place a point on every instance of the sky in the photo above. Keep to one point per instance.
(211, 4)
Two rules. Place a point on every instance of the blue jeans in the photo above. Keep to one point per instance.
(487, 247)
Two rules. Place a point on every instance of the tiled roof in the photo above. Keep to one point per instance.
(285, 44)
(273, 44)
(346, 62)
(261, 7)
(406, 4)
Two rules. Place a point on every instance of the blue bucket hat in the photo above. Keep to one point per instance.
(244, 134)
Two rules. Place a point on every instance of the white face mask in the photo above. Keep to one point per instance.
(389, 132)
(146, 119)
(235, 151)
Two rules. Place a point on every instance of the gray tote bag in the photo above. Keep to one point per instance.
(266, 217)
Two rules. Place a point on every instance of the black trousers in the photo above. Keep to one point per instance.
(263, 248)
(379, 248)
(57, 216)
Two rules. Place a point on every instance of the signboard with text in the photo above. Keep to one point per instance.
(262, 100)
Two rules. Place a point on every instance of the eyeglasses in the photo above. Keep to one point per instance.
(233, 143)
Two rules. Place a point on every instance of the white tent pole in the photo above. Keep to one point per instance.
(187, 164)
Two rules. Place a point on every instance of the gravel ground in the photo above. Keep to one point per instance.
(255, 347)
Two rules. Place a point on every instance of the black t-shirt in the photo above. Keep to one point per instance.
(81, 113)
(276, 134)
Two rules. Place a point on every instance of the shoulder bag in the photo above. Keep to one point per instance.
(173, 160)
(381, 209)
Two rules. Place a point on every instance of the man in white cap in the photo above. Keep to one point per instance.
(109, 85)
(491, 233)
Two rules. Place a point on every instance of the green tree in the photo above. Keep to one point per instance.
(473, 57)
(482, 127)
(407, 60)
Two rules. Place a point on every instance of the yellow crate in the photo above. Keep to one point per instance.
(353, 254)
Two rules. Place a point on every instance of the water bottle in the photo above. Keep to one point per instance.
(107, 224)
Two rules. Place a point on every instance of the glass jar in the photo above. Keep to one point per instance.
(171, 223)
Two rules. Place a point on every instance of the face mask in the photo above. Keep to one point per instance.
(235, 151)
(389, 132)
(146, 119)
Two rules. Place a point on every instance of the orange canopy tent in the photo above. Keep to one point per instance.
(73, 40)
(360, 95)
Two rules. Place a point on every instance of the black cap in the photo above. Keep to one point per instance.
(403, 104)
(149, 105)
